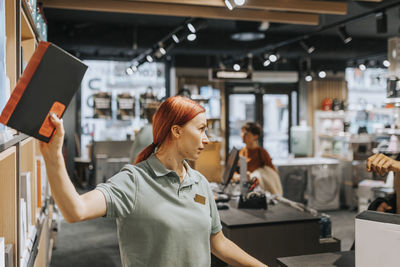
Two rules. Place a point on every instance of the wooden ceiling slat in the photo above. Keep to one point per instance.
(308, 6)
(184, 11)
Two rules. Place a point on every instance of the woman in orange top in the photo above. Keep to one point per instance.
(257, 157)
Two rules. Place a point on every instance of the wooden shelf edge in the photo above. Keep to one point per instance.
(32, 25)
(16, 139)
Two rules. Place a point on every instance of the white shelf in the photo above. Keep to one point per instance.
(394, 100)
(330, 114)
(388, 131)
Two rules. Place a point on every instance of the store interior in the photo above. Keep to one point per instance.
(321, 78)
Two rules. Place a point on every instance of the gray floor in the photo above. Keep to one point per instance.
(90, 243)
(94, 243)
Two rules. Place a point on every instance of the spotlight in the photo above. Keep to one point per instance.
(344, 35)
(196, 24)
(273, 58)
(191, 27)
(308, 78)
(362, 67)
(239, 2)
(175, 38)
(266, 63)
(149, 58)
(162, 50)
(236, 67)
(381, 22)
(129, 71)
(309, 48)
(386, 63)
(133, 68)
(191, 37)
(322, 74)
(228, 4)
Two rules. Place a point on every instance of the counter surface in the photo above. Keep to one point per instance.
(334, 259)
(278, 213)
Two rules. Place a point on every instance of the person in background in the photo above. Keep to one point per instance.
(382, 164)
(260, 168)
(165, 211)
(145, 136)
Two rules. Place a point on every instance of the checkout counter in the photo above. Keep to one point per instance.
(279, 231)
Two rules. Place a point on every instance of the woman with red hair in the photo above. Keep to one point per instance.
(165, 211)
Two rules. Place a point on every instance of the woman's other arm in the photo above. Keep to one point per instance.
(230, 253)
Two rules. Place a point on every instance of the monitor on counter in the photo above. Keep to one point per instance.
(230, 167)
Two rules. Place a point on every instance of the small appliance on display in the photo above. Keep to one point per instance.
(327, 104)
(102, 105)
(125, 106)
(301, 139)
(324, 186)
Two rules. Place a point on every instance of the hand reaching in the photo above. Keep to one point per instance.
(382, 164)
(54, 147)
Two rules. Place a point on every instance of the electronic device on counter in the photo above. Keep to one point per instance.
(227, 177)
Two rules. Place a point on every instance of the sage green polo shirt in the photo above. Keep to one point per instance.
(160, 221)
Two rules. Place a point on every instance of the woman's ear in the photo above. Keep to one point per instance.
(176, 131)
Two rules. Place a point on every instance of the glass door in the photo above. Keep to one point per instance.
(242, 109)
(276, 124)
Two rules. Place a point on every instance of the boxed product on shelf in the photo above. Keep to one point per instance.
(25, 193)
(41, 181)
(9, 255)
(22, 226)
(2, 252)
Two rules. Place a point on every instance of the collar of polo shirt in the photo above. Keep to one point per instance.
(160, 170)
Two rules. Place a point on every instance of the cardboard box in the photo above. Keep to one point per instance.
(209, 162)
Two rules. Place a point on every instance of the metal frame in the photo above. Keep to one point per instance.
(261, 89)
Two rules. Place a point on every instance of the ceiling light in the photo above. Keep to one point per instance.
(362, 66)
(134, 68)
(191, 27)
(239, 2)
(322, 74)
(149, 58)
(228, 4)
(267, 63)
(232, 75)
(381, 22)
(175, 38)
(191, 37)
(129, 71)
(273, 58)
(308, 78)
(248, 36)
(309, 48)
(162, 50)
(236, 67)
(386, 63)
(344, 35)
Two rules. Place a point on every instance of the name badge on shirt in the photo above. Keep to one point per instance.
(200, 199)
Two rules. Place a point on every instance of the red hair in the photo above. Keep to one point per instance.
(175, 110)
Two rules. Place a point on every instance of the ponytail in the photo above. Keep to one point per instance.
(145, 153)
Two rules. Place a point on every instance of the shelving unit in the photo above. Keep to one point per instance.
(327, 136)
(20, 153)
